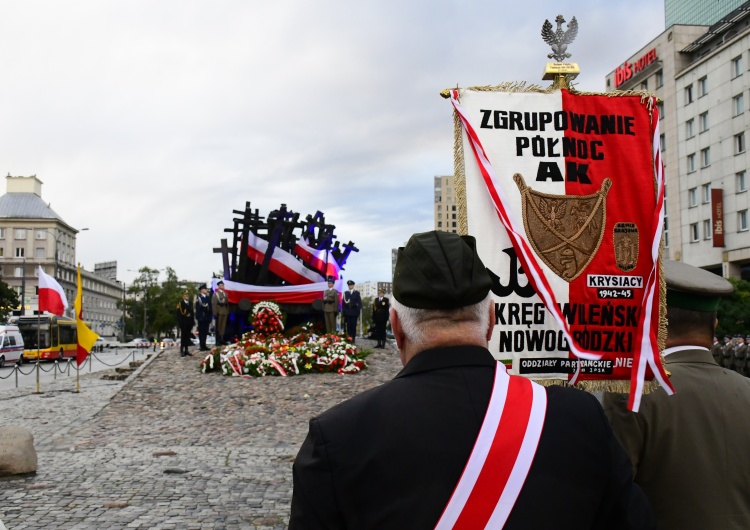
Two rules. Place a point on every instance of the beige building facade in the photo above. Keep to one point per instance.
(32, 235)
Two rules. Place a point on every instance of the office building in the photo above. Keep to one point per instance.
(445, 209)
(697, 12)
(701, 74)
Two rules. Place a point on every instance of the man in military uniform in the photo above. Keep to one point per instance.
(351, 307)
(716, 351)
(186, 321)
(738, 354)
(381, 309)
(726, 352)
(204, 315)
(220, 309)
(690, 450)
(392, 457)
(330, 306)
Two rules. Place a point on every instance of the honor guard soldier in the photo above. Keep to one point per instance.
(690, 450)
(351, 307)
(411, 453)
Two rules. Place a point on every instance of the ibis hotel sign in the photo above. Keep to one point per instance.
(628, 69)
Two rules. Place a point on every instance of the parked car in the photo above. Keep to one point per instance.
(137, 343)
(167, 342)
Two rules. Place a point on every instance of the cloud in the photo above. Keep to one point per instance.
(150, 122)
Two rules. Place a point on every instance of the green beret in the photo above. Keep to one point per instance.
(692, 288)
(440, 270)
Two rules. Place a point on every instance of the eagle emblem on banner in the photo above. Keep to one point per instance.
(565, 231)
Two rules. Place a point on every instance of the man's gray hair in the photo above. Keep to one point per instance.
(416, 323)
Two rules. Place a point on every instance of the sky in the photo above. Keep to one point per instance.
(149, 122)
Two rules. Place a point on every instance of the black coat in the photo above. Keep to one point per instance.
(391, 457)
(185, 315)
(381, 310)
(351, 303)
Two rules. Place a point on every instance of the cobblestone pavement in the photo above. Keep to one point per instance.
(170, 448)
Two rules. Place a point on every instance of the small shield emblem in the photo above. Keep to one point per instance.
(626, 246)
(565, 231)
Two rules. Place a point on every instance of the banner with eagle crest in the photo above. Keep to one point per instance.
(564, 193)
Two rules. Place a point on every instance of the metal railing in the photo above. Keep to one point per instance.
(65, 366)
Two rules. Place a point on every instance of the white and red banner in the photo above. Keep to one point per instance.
(282, 264)
(565, 198)
(288, 294)
(320, 259)
(52, 298)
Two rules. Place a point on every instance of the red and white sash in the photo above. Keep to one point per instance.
(502, 455)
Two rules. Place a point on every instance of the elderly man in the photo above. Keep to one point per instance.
(690, 450)
(453, 440)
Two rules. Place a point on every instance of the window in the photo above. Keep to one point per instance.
(707, 229)
(703, 122)
(659, 79)
(440, 224)
(660, 108)
(20, 252)
(738, 104)
(662, 142)
(17, 272)
(39, 252)
(19, 233)
(2, 233)
(41, 233)
(741, 181)
(688, 94)
(691, 163)
(742, 221)
(690, 128)
(706, 157)
(702, 86)
(694, 235)
(706, 193)
(739, 143)
(737, 66)
(644, 85)
(693, 197)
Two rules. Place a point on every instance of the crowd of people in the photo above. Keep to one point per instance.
(732, 354)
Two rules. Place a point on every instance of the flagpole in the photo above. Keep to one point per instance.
(38, 334)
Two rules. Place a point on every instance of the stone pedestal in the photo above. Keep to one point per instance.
(17, 453)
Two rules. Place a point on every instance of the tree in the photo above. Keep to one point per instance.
(734, 311)
(8, 301)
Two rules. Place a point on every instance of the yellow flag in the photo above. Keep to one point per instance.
(86, 337)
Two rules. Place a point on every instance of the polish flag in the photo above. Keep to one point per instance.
(283, 264)
(287, 294)
(320, 259)
(51, 296)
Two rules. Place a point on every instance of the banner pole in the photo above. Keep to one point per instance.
(37, 376)
(78, 379)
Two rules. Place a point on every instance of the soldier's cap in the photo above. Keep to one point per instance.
(440, 270)
(350, 282)
(331, 280)
(692, 288)
(220, 282)
(202, 286)
(186, 293)
(727, 337)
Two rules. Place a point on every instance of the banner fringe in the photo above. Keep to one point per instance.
(617, 386)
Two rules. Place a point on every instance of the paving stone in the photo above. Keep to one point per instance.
(112, 443)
